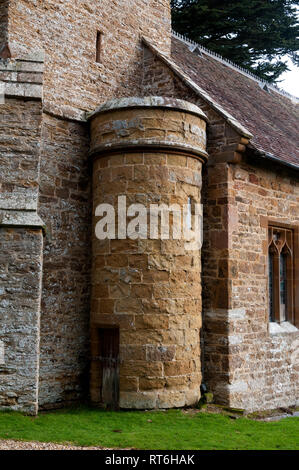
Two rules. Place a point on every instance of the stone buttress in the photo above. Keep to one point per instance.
(21, 235)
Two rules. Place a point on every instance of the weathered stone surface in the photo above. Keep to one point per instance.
(64, 205)
(69, 30)
(151, 289)
(236, 199)
(20, 130)
(248, 363)
(20, 219)
(152, 122)
(138, 287)
(20, 290)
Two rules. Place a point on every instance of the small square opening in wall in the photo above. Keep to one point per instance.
(99, 47)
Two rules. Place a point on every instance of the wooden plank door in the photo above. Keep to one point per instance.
(109, 360)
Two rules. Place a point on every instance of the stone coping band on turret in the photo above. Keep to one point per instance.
(148, 102)
(184, 131)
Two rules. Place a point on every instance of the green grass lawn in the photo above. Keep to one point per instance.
(150, 430)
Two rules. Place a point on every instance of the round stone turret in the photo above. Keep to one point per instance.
(146, 281)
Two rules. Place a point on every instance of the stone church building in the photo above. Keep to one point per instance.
(100, 99)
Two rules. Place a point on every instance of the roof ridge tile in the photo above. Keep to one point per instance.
(231, 64)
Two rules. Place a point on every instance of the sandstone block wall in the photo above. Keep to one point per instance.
(49, 170)
(44, 166)
(73, 83)
(65, 206)
(223, 142)
(149, 289)
(249, 363)
(245, 364)
(67, 31)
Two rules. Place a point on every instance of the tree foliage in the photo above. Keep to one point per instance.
(255, 34)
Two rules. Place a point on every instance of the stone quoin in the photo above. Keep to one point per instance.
(100, 99)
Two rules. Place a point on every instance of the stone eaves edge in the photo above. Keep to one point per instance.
(269, 156)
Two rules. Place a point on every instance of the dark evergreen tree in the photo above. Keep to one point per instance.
(255, 34)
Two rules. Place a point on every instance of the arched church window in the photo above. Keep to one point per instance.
(271, 261)
(281, 284)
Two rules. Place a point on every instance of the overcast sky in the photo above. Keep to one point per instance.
(290, 81)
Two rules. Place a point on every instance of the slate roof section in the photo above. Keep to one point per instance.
(271, 117)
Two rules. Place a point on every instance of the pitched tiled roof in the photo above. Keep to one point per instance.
(271, 117)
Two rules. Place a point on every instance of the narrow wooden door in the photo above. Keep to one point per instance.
(109, 360)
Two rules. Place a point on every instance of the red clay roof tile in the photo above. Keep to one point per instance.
(271, 118)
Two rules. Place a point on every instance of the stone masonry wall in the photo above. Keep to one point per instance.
(244, 365)
(249, 363)
(149, 288)
(43, 164)
(267, 367)
(237, 201)
(20, 289)
(65, 206)
(73, 83)
(20, 129)
(217, 277)
(67, 31)
(223, 142)
(20, 244)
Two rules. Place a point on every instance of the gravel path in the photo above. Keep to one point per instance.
(19, 445)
